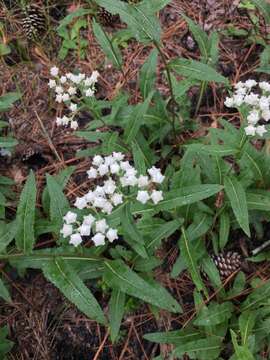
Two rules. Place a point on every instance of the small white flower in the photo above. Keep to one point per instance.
(131, 172)
(72, 90)
(107, 208)
(88, 220)
(85, 230)
(58, 121)
(92, 173)
(114, 168)
(229, 102)
(73, 107)
(250, 83)
(251, 99)
(89, 92)
(65, 97)
(54, 71)
(75, 79)
(156, 175)
(118, 156)
(94, 76)
(109, 160)
(264, 85)
(99, 239)
(70, 217)
(143, 197)
(74, 125)
(66, 230)
(266, 115)
(65, 120)
(59, 90)
(253, 117)
(97, 160)
(109, 186)
(75, 239)
(88, 81)
(111, 235)
(117, 199)
(250, 130)
(90, 196)
(99, 191)
(131, 180)
(143, 181)
(80, 203)
(101, 226)
(264, 103)
(58, 98)
(156, 196)
(52, 84)
(103, 169)
(63, 79)
(260, 130)
(99, 202)
(69, 75)
(238, 100)
(239, 85)
(125, 165)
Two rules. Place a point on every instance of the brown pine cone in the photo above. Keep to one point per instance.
(227, 263)
(33, 21)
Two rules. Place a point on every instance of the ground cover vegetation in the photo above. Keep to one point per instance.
(134, 179)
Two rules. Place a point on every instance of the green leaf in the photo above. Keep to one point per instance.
(237, 196)
(110, 49)
(214, 314)
(199, 35)
(7, 100)
(188, 255)
(120, 276)
(215, 150)
(7, 234)
(203, 349)
(264, 8)
(196, 70)
(136, 120)
(258, 201)
(58, 202)
(25, 218)
(4, 49)
(69, 18)
(140, 19)
(241, 352)
(148, 74)
(246, 324)
(5, 344)
(213, 274)
(4, 294)
(63, 276)
(224, 229)
(175, 337)
(7, 142)
(187, 195)
(116, 312)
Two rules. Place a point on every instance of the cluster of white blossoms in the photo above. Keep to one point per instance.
(68, 88)
(115, 174)
(258, 103)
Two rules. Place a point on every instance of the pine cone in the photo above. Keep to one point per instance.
(106, 18)
(33, 21)
(227, 263)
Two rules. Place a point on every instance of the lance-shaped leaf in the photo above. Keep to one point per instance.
(148, 74)
(120, 276)
(237, 196)
(7, 100)
(63, 276)
(116, 312)
(58, 202)
(246, 324)
(25, 219)
(7, 234)
(203, 349)
(141, 20)
(196, 70)
(264, 8)
(7, 142)
(199, 35)
(4, 294)
(241, 352)
(110, 49)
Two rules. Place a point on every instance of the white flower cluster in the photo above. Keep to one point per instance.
(116, 174)
(76, 230)
(259, 104)
(67, 88)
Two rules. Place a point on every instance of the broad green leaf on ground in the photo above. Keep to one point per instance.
(142, 22)
(241, 352)
(214, 314)
(25, 218)
(175, 337)
(120, 276)
(258, 200)
(196, 70)
(224, 229)
(116, 312)
(63, 276)
(202, 349)
(154, 5)
(69, 18)
(187, 195)
(237, 196)
(110, 49)
(58, 202)
(4, 293)
(148, 74)
(188, 255)
(215, 150)
(246, 324)
(7, 142)
(264, 8)
(7, 100)
(7, 234)
(199, 35)
(136, 119)
(213, 274)
(5, 344)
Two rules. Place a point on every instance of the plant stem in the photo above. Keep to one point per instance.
(202, 90)
(169, 83)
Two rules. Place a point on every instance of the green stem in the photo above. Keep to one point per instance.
(202, 90)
